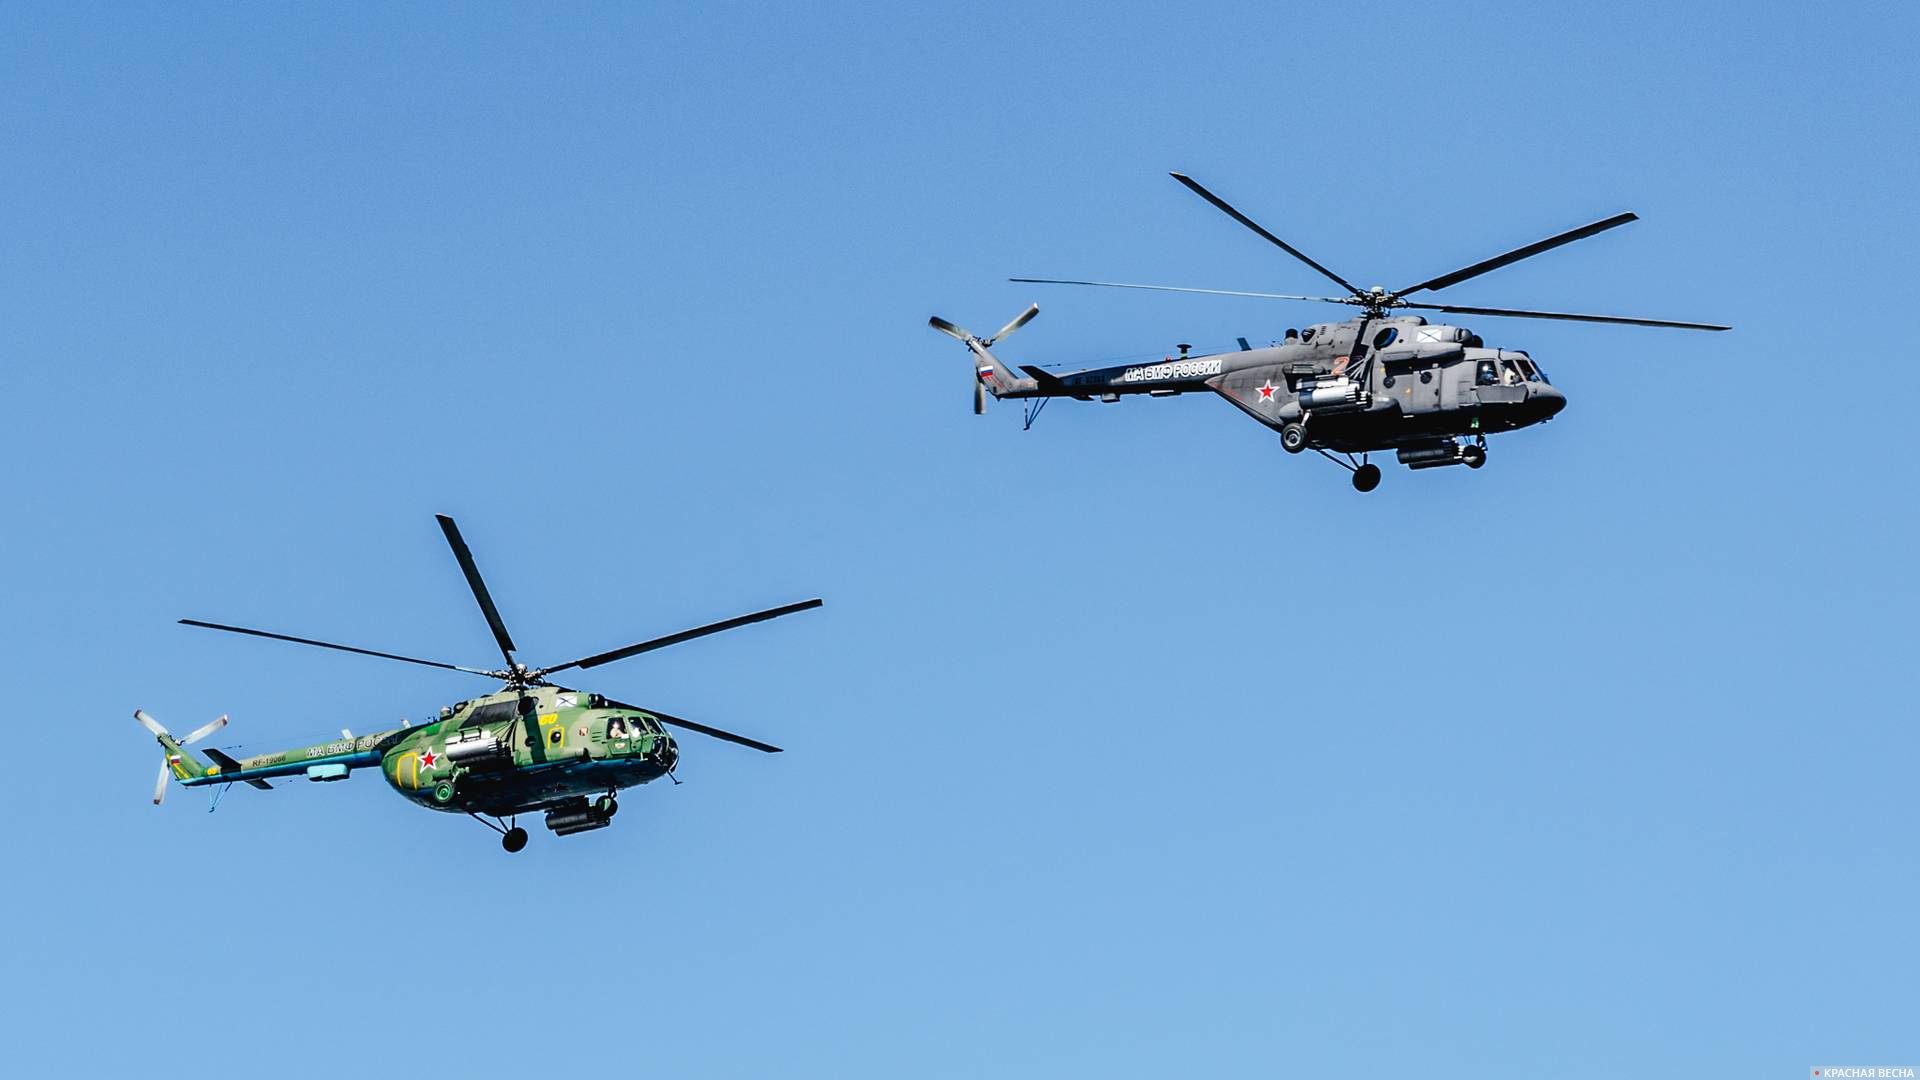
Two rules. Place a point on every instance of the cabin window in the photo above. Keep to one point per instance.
(491, 713)
(1385, 338)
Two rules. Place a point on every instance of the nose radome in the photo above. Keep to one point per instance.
(1548, 399)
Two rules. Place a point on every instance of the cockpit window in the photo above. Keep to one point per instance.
(1527, 371)
(616, 728)
(1486, 374)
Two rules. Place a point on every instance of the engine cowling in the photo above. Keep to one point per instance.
(479, 750)
(1338, 394)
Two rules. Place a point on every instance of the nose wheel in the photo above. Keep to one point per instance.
(1474, 456)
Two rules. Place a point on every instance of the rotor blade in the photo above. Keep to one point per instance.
(331, 645)
(160, 785)
(1194, 186)
(955, 332)
(204, 730)
(1176, 288)
(1019, 321)
(479, 587)
(1517, 314)
(765, 748)
(1517, 254)
(149, 722)
(684, 635)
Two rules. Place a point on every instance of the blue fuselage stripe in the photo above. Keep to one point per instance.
(361, 760)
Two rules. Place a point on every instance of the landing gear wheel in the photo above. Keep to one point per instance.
(1474, 456)
(1366, 478)
(514, 839)
(605, 806)
(1293, 438)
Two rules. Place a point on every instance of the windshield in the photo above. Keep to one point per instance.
(1528, 369)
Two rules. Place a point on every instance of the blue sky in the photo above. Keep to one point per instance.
(1125, 746)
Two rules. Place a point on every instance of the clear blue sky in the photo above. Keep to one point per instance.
(1127, 746)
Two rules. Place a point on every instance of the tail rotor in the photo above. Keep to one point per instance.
(174, 761)
(985, 366)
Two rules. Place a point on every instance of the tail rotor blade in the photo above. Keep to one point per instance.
(204, 730)
(1019, 321)
(149, 722)
(957, 333)
(160, 785)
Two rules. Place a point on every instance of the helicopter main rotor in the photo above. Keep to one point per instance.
(1379, 301)
(518, 676)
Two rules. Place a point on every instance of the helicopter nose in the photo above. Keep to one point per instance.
(1545, 399)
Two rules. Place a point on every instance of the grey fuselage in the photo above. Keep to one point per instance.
(1372, 383)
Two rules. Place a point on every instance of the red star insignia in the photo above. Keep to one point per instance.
(428, 759)
(1266, 391)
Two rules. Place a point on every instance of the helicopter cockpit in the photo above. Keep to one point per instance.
(640, 736)
(1510, 368)
(622, 727)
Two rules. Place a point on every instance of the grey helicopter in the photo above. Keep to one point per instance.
(1429, 392)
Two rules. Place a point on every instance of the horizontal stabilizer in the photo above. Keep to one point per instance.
(1047, 380)
(228, 765)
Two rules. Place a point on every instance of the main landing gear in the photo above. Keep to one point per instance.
(575, 815)
(512, 836)
(1366, 477)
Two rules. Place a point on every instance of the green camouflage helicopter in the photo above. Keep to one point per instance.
(530, 746)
